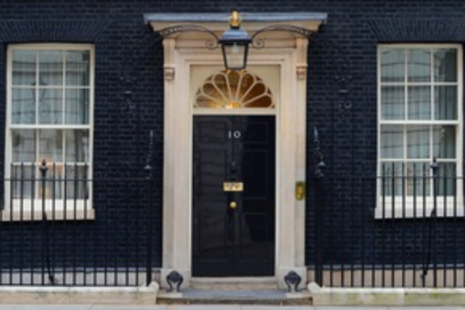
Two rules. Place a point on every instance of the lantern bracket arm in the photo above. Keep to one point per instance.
(177, 29)
(255, 40)
(259, 43)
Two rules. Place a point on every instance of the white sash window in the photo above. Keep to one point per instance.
(419, 120)
(49, 117)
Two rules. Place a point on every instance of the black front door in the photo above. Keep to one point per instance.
(233, 196)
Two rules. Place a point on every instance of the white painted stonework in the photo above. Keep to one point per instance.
(285, 59)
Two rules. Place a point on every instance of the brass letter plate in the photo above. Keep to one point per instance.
(233, 186)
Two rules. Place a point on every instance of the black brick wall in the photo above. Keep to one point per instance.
(342, 103)
(342, 57)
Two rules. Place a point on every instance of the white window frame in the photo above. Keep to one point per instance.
(410, 207)
(59, 209)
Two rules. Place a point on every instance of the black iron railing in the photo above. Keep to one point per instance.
(403, 228)
(59, 226)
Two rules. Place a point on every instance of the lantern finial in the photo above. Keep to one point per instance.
(235, 20)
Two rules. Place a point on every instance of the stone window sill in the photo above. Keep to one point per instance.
(28, 210)
(418, 211)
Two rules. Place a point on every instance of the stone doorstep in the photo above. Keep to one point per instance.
(79, 295)
(260, 297)
(322, 296)
(231, 290)
(231, 284)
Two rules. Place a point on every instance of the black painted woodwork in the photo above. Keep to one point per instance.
(240, 241)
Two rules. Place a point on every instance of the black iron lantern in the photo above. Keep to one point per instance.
(235, 44)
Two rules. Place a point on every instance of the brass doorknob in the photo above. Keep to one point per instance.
(233, 205)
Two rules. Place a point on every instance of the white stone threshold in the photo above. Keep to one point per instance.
(323, 296)
(146, 295)
(234, 295)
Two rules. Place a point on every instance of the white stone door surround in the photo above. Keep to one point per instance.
(184, 51)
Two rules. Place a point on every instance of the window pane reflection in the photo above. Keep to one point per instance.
(77, 68)
(419, 65)
(445, 103)
(51, 145)
(392, 65)
(392, 141)
(419, 103)
(23, 106)
(24, 145)
(445, 65)
(444, 142)
(418, 142)
(392, 102)
(51, 106)
(51, 68)
(77, 106)
(77, 146)
(24, 67)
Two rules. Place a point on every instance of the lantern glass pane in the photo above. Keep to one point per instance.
(235, 56)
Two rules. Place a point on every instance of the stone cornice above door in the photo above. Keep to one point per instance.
(282, 25)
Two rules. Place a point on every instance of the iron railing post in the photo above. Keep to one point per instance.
(148, 199)
(43, 173)
(434, 168)
(45, 224)
(432, 228)
(319, 206)
(319, 197)
(148, 266)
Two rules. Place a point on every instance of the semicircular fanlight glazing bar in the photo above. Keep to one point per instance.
(233, 90)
